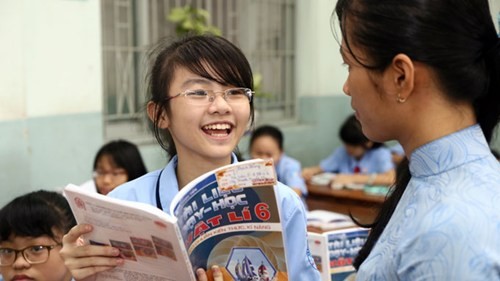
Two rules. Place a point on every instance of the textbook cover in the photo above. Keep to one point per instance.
(334, 252)
(229, 217)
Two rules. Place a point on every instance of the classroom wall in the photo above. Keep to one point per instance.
(50, 93)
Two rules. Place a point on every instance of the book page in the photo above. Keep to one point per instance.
(326, 220)
(230, 217)
(149, 240)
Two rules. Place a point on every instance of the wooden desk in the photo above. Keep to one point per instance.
(362, 206)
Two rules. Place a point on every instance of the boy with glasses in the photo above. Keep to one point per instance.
(31, 230)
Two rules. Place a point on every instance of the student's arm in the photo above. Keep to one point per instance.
(309, 172)
(85, 261)
(300, 263)
(329, 164)
(386, 178)
(290, 173)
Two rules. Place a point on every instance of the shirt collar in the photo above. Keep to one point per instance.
(169, 186)
(449, 152)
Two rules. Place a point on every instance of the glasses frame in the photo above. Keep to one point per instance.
(113, 175)
(22, 251)
(211, 94)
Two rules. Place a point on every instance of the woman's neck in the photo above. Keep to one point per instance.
(437, 122)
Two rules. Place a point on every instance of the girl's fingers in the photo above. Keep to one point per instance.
(216, 273)
(201, 274)
(84, 261)
(76, 232)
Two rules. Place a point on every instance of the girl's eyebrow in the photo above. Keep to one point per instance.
(192, 81)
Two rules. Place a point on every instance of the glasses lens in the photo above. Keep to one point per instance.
(36, 254)
(237, 95)
(7, 256)
(113, 174)
(198, 97)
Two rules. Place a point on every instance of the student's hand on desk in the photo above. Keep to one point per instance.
(309, 172)
(342, 180)
(202, 275)
(84, 261)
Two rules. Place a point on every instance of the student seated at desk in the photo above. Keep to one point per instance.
(358, 161)
(115, 163)
(267, 142)
(398, 154)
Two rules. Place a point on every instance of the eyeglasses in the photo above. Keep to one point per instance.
(205, 97)
(33, 254)
(113, 174)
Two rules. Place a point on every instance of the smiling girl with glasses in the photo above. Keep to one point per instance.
(31, 230)
(200, 105)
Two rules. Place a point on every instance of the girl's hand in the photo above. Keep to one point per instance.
(85, 261)
(216, 273)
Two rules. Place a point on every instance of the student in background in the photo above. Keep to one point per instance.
(267, 142)
(200, 105)
(398, 153)
(427, 74)
(115, 163)
(358, 161)
(31, 231)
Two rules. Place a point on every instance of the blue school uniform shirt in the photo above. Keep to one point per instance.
(377, 160)
(288, 171)
(300, 264)
(447, 224)
(397, 149)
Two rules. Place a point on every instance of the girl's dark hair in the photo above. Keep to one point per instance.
(36, 214)
(495, 153)
(209, 56)
(125, 155)
(457, 39)
(268, 130)
(351, 133)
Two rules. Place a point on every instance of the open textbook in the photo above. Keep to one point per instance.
(334, 252)
(324, 220)
(229, 217)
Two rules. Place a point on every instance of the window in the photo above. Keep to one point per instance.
(263, 29)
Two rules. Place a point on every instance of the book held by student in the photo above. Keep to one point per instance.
(334, 251)
(229, 217)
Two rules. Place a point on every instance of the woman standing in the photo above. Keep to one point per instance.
(427, 74)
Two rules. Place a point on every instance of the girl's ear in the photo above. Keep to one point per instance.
(399, 78)
(153, 110)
